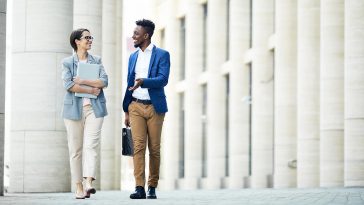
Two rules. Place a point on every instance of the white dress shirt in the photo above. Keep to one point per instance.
(141, 71)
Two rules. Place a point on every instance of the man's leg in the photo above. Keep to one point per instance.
(139, 132)
(155, 123)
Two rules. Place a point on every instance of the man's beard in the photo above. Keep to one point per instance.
(137, 45)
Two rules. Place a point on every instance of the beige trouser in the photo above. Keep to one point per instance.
(146, 127)
(83, 144)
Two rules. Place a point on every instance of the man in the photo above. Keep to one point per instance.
(145, 105)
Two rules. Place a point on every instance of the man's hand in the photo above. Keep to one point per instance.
(77, 80)
(138, 83)
(127, 120)
(95, 91)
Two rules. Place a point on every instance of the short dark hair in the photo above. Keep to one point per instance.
(76, 34)
(148, 25)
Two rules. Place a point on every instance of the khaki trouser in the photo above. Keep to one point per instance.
(83, 144)
(146, 127)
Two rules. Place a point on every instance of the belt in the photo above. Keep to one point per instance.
(145, 102)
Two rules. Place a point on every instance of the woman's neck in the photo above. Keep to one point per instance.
(82, 54)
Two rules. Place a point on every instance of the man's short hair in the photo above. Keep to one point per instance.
(148, 25)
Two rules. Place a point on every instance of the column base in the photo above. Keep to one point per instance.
(235, 182)
(212, 183)
(30, 170)
(189, 183)
(261, 181)
(358, 183)
(285, 180)
(167, 184)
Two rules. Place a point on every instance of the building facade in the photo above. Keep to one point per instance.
(263, 93)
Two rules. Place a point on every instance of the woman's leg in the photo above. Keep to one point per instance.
(91, 143)
(75, 143)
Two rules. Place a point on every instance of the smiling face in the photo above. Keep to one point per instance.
(85, 41)
(140, 36)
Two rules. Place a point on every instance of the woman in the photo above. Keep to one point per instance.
(83, 117)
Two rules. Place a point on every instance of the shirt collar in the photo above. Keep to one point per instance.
(149, 48)
(76, 60)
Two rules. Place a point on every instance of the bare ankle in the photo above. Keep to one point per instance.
(79, 186)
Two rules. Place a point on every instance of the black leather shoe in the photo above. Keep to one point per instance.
(151, 193)
(139, 193)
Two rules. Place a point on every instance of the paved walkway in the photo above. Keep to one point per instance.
(238, 197)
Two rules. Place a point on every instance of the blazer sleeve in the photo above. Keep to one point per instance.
(103, 75)
(161, 78)
(67, 76)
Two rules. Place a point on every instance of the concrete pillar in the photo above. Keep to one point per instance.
(118, 94)
(39, 154)
(216, 93)
(109, 135)
(2, 90)
(88, 14)
(262, 93)
(354, 93)
(332, 94)
(239, 41)
(193, 96)
(170, 137)
(285, 104)
(308, 102)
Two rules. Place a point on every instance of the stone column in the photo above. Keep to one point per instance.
(88, 14)
(216, 93)
(170, 136)
(2, 89)
(193, 96)
(39, 152)
(308, 102)
(109, 136)
(262, 93)
(118, 94)
(239, 41)
(354, 93)
(332, 94)
(285, 105)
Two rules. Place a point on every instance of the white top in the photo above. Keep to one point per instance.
(86, 101)
(141, 71)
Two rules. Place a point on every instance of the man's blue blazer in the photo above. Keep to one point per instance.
(158, 74)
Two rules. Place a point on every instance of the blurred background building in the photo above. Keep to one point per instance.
(262, 93)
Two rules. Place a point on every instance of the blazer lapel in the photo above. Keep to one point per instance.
(151, 61)
(90, 59)
(75, 60)
(133, 63)
(75, 65)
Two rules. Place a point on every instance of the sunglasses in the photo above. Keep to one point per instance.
(89, 38)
